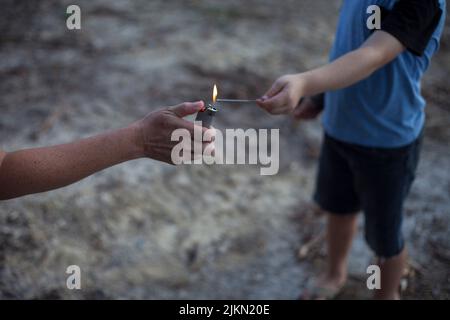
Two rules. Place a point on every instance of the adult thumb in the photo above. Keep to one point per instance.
(187, 108)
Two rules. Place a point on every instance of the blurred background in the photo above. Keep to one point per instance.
(148, 230)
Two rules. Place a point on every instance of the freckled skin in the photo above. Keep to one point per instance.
(41, 169)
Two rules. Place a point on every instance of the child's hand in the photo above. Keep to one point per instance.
(308, 109)
(283, 96)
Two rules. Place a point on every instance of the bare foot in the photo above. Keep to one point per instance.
(323, 288)
(383, 296)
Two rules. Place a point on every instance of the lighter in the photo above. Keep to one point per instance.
(206, 116)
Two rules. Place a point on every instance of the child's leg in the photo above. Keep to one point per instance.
(391, 275)
(340, 232)
(384, 177)
(379, 180)
(336, 195)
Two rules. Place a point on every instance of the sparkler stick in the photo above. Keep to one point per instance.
(235, 101)
(207, 115)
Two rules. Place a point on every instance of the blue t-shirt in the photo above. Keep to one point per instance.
(387, 109)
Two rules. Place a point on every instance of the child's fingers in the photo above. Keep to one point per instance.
(276, 88)
(281, 110)
(275, 103)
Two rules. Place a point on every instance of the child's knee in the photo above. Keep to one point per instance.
(384, 245)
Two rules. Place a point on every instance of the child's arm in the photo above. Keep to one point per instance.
(285, 94)
(42, 169)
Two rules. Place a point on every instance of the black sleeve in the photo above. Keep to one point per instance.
(413, 23)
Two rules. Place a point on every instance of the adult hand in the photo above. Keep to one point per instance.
(156, 129)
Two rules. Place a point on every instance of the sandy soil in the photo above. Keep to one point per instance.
(148, 230)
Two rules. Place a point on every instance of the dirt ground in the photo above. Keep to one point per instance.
(153, 231)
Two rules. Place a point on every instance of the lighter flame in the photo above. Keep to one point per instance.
(214, 94)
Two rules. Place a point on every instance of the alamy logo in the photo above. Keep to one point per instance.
(73, 21)
(237, 146)
(374, 280)
(374, 20)
(74, 280)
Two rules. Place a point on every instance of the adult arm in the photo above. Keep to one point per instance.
(42, 169)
